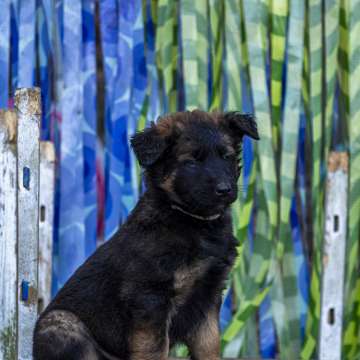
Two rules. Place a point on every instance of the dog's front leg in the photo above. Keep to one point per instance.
(149, 344)
(204, 342)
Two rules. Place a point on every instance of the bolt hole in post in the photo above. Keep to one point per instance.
(336, 223)
(42, 213)
(331, 316)
(24, 291)
(26, 178)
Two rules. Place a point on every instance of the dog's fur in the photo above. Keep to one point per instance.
(158, 281)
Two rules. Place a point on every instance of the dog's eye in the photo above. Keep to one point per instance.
(191, 163)
(227, 156)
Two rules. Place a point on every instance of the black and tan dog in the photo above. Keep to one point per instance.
(158, 281)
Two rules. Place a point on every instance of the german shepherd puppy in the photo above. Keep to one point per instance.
(158, 281)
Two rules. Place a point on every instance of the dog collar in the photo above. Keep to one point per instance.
(206, 218)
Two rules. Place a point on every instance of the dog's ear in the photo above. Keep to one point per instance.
(148, 145)
(241, 124)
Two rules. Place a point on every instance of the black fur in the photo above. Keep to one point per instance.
(132, 284)
(148, 146)
(243, 124)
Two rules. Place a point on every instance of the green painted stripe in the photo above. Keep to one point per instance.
(255, 14)
(167, 52)
(202, 50)
(289, 136)
(189, 46)
(316, 69)
(278, 12)
(216, 9)
(351, 85)
(250, 285)
(233, 54)
(332, 9)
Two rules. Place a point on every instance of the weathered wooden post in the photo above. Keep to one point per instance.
(8, 235)
(28, 108)
(334, 258)
(46, 217)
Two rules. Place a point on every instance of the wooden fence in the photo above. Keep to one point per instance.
(26, 218)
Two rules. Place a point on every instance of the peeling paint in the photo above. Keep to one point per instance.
(28, 101)
(338, 160)
(32, 300)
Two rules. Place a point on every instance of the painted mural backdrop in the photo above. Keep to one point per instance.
(106, 68)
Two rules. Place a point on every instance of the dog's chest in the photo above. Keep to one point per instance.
(185, 278)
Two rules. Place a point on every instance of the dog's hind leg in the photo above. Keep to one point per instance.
(60, 335)
(204, 342)
(148, 344)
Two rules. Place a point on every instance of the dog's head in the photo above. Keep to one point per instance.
(193, 157)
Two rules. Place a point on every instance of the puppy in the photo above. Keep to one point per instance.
(158, 281)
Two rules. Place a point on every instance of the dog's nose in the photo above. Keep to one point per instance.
(223, 189)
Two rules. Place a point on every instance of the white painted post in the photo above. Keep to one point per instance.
(28, 107)
(46, 217)
(8, 235)
(334, 258)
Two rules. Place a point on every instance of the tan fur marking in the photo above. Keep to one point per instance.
(228, 144)
(168, 183)
(165, 126)
(177, 121)
(168, 186)
(145, 346)
(184, 280)
(216, 117)
(185, 156)
(213, 117)
(204, 344)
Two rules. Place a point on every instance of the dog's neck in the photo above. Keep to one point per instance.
(195, 216)
(161, 198)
